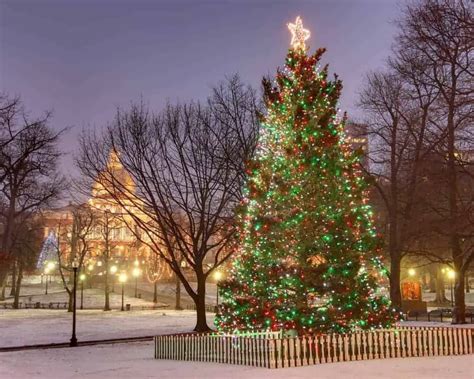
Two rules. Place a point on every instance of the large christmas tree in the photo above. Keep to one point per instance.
(309, 254)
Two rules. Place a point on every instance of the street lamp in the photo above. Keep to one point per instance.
(136, 273)
(122, 279)
(113, 271)
(75, 266)
(51, 267)
(411, 272)
(451, 275)
(82, 277)
(217, 277)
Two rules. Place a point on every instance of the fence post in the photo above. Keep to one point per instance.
(439, 340)
(286, 352)
(279, 353)
(469, 340)
(455, 337)
(304, 351)
(430, 342)
(364, 345)
(451, 344)
(464, 335)
(359, 346)
(248, 350)
(446, 341)
(403, 343)
(380, 340)
(370, 345)
(353, 347)
(271, 346)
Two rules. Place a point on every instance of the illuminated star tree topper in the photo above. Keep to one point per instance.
(298, 34)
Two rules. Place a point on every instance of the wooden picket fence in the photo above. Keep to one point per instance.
(273, 351)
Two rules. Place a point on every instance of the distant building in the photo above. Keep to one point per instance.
(125, 248)
(358, 137)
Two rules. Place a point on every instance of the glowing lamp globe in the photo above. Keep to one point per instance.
(122, 277)
(218, 276)
(136, 272)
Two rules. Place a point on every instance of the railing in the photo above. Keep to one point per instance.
(271, 352)
(439, 314)
(64, 305)
(37, 305)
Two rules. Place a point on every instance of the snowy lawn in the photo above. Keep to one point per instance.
(135, 360)
(33, 291)
(92, 298)
(37, 326)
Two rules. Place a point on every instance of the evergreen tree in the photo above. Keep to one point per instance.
(309, 254)
(48, 251)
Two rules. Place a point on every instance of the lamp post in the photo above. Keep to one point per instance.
(136, 274)
(46, 272)
(50, 267)
(113, 271)
(217, 276)
(122, 280)
(82, 277)
(75, 265)
(451, 276)
(411, 272)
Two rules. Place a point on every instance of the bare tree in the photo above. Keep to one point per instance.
(26, 245)
(187, 166)
(108, 225)
(72, 236)
(397, 117)
(29, 179)
(440, 33)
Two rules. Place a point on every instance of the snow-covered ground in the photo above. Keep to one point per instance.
(33, 291)
(429, 296)
(38, 326)
(135, 360)
(92, 298)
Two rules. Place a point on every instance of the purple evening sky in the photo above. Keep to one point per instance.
(83, 58)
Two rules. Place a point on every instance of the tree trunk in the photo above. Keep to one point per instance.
(200, 302)
(468, 289)
(177, 305)
(432, 283)
(440, 297)
(4, 271)
(106, 288)
(4, 287)
(459, 310)
(395, 293)
(13, 286)
(16, 300)
(155, 292)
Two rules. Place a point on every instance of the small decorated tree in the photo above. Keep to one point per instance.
(309, 254)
